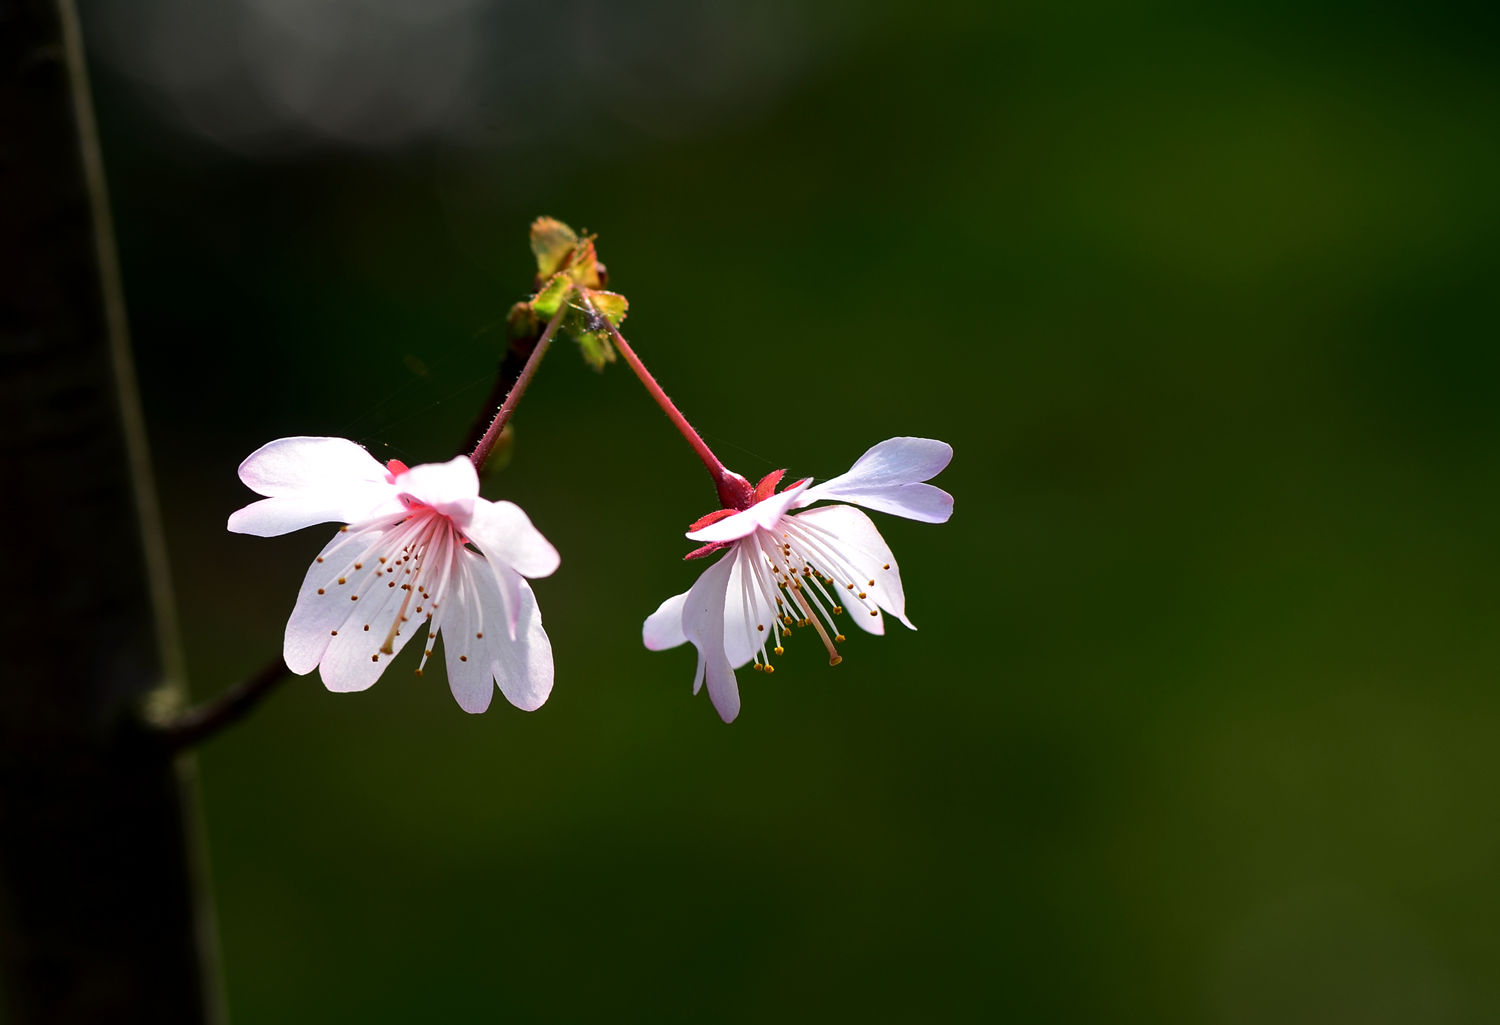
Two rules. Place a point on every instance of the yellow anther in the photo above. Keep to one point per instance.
(839, 638)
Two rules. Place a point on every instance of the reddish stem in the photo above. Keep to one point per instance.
(482, 450)
(734, 491)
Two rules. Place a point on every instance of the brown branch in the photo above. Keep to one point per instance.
(203, 721)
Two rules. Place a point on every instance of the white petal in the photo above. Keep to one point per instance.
(315, 615)
(480, 654)
(888, 478)
(897, 461)
(502, 531)
(470, 678)
(473, 644)
(451, 488)
(663, 628)
(703, 623)
(294, 466)
(869, 624)
(354, 660)
(471, 631)
(270, 517)
(762, 515)
(523, 667)
(851, 536)
(746, 607)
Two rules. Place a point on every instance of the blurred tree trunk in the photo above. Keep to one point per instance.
(101, 918)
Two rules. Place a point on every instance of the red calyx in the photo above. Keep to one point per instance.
(713, 517)
(764, 490)
(767, 486)
(708, 549)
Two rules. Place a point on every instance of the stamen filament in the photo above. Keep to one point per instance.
(834, 658)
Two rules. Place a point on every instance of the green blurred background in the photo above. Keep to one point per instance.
(1200, 725)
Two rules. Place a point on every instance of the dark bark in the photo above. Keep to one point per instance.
(100, 918)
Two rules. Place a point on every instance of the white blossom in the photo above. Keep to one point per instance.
(421, 555)
(787, 566)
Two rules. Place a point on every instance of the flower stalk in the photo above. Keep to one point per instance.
(513, 397)
(734, 490)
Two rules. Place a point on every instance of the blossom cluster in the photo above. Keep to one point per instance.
(421, 554)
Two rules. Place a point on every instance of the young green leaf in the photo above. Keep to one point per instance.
(552, 241)
(570, 275)
(610, 305)
(553, 294)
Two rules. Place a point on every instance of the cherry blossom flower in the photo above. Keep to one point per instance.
(785, 568)
(422, 553)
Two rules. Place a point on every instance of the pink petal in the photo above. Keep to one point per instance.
(888, 478)
(451, 488)
(761, 515)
